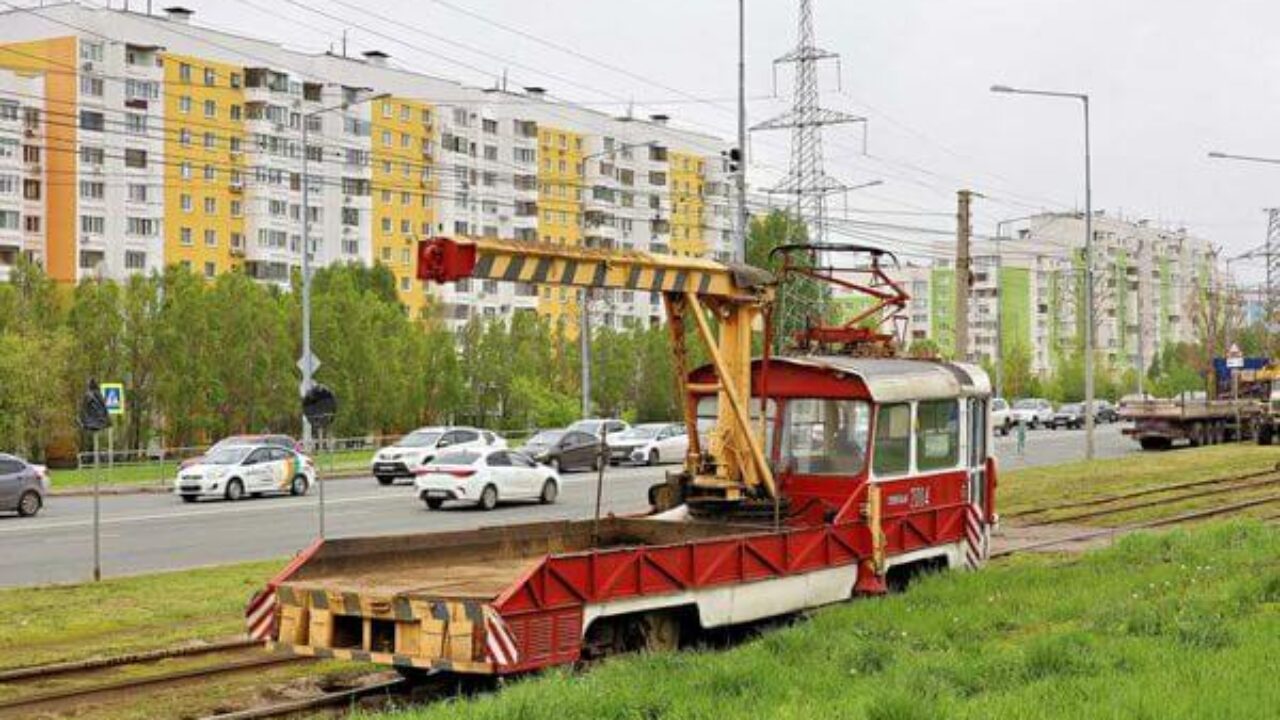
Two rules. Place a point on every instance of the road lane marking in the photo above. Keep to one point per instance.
(241, 509)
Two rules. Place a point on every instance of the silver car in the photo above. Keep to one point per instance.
(22, 486)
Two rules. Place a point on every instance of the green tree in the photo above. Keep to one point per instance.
(808, 297)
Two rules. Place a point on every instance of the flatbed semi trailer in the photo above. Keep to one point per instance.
(1158, 424)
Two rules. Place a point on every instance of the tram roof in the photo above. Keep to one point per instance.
(899, 379)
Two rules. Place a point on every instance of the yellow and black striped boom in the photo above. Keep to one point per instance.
(446, 259)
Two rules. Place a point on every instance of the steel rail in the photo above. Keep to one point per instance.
(1091, 502)
(135, 658)
(1121, 529)
(31, 703)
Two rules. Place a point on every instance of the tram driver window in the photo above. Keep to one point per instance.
(937, 434)
(825, 437)
(893, 440)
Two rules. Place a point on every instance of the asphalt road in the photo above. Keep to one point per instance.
(150, 532)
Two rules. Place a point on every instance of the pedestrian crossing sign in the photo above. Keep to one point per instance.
(113, 394)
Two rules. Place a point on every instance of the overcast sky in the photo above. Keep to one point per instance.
(1169, 79)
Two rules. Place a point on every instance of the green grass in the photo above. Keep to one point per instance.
(1026, 488)
(1177, 625)
(70, 622)
(163, 473)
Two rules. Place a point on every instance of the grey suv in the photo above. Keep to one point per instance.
(22, 486)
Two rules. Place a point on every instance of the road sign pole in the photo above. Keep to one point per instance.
(320, 496)
(97, 542)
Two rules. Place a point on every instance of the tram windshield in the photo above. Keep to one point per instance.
(822, 436)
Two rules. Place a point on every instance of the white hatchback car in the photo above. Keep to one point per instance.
(408, 457)
(485, 477)
(232, 472)
(650, 444)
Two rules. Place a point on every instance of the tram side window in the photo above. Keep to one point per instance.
(893, 440)
(937, 434)
(825, 437)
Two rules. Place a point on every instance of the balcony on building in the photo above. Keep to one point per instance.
(525, 129)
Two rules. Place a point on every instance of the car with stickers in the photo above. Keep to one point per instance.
(408, 456)
(234, 472)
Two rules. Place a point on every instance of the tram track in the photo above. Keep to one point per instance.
(67, 699)
(1193, 486)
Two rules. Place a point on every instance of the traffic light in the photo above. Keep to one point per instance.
(735, 159)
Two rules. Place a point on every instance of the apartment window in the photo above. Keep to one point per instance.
(184, 137)
(8, 184)
(406, 227)
(210, 173)
(8, 148)
(90, 259)
(237, 208)
(184, 170)
(490, 152)
(184, 73)
(524, 155)
(32, 223)
(210, 269)
(351, 217)
(185, 202)
(140, 226)
(236, 80)
(93, 224)
(90, 190)
(489, 126)
(235, 144)
(386, 108)
(209, 77)
(92, 155)
(405, 140)
(91, 51)
(657, 178)
(386, 138)
(210, 206)
(386, 225)
(9, 220)
(90, 86)
(236, 112)
(237, 241)
(137, 192)
(184, 237)
(135, 158)
(350, 247)
(210, 108)
(210, 140)
(135, 260)
(211, 238)
(91, 120)
(31, 189)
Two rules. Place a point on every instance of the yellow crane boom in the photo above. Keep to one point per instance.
(736, 296)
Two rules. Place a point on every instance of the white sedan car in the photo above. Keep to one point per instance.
(408, 457)
(239, 470)
(484, 478)
(650, 444)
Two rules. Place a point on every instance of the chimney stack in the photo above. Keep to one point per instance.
(376, 58)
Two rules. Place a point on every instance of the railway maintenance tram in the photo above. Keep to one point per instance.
(830, 470)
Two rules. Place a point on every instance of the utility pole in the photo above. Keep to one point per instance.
(584, 348)
(964, 276)
(1143, 281)
(741, 178)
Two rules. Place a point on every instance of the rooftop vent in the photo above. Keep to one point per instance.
(660, 119)
(535, 91)
(179, 14)
(376, 57)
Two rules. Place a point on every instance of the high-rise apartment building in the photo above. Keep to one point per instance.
(1028, 289)
(130, 142)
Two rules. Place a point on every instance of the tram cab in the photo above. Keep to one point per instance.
(918, 429)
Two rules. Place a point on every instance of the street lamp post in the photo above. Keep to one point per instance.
(584, 311)
(1088, 255)
(308, 360)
